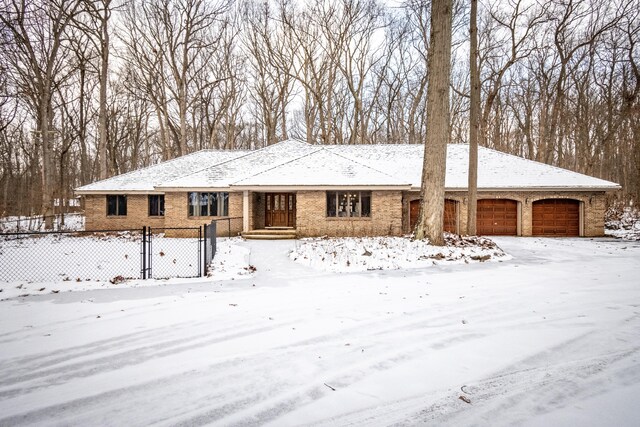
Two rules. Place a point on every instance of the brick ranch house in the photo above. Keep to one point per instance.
(345, 190)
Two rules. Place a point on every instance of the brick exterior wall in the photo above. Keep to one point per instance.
(312, 220)
(176, 215)
(137, 214)
(389, 213)
(257, 206)
(592, 208)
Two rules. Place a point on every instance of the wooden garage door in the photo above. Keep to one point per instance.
(556, 217)
(497, 217)
(450, 215)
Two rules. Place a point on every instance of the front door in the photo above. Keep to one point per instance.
(280, 210)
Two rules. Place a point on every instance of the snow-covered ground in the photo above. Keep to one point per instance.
(549, 337)
(13, 224)
(392, 253)
(623, 223)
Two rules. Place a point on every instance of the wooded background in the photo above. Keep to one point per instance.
(95, 88)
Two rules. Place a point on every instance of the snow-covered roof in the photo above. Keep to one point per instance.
(294, 163)
(496, 170)
(321, 168)
(224, 174)
(146, 179)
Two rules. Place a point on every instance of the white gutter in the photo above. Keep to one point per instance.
(268, 188)
(505, 189)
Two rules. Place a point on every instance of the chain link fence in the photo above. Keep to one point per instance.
(169, 257)
(104, 255)
(228, 227)
(70, 255)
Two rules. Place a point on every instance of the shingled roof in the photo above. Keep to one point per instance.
(295, 164)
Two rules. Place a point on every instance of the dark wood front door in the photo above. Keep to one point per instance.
(280, 210)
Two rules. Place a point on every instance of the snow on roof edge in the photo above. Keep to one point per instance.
(131, 172)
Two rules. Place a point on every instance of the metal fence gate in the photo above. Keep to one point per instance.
(179, 256)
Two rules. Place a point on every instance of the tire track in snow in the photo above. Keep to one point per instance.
(380, 361)
(47, 376)
(539, 383)
(534, 390)
(444, 333)
(376, 360)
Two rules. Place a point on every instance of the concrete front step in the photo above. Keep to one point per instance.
(271, 231)
(269, 236)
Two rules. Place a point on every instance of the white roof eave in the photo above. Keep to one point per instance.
(548, 188)
(263, 188)
(106, 192)
(191, 189)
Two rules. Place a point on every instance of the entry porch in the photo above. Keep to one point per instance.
(269, 215)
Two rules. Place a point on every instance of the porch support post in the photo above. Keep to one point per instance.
(245, 210)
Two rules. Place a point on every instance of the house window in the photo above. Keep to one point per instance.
(156, 205)
(209, 204)
(117, 205)
(348, 203)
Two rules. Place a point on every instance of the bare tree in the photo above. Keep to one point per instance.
(169, 43)
(95, 23)
(36, 54)
(474, 112)
(430, 219)
(271, 73)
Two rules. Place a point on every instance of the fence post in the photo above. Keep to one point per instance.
(200, 263)
(149, 253)
(144, 252)
(214, 236)
(204, 246)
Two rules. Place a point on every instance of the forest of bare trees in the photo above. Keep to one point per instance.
(94, 88)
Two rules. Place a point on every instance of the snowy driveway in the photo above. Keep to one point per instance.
(551, 337)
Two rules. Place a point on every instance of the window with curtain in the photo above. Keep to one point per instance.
(209, 204)
(348, 204)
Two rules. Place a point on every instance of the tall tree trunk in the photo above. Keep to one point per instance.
(82, 134)
(417, 100)
(104, 81)
(182, 101)
(47, 160)
(430, 220)
(474, 112)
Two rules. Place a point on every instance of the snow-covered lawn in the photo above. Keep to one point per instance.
(549, 337)
(392, 253)
(13, 224)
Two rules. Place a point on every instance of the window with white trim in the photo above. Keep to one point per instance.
(209, 204)
(348, 204)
